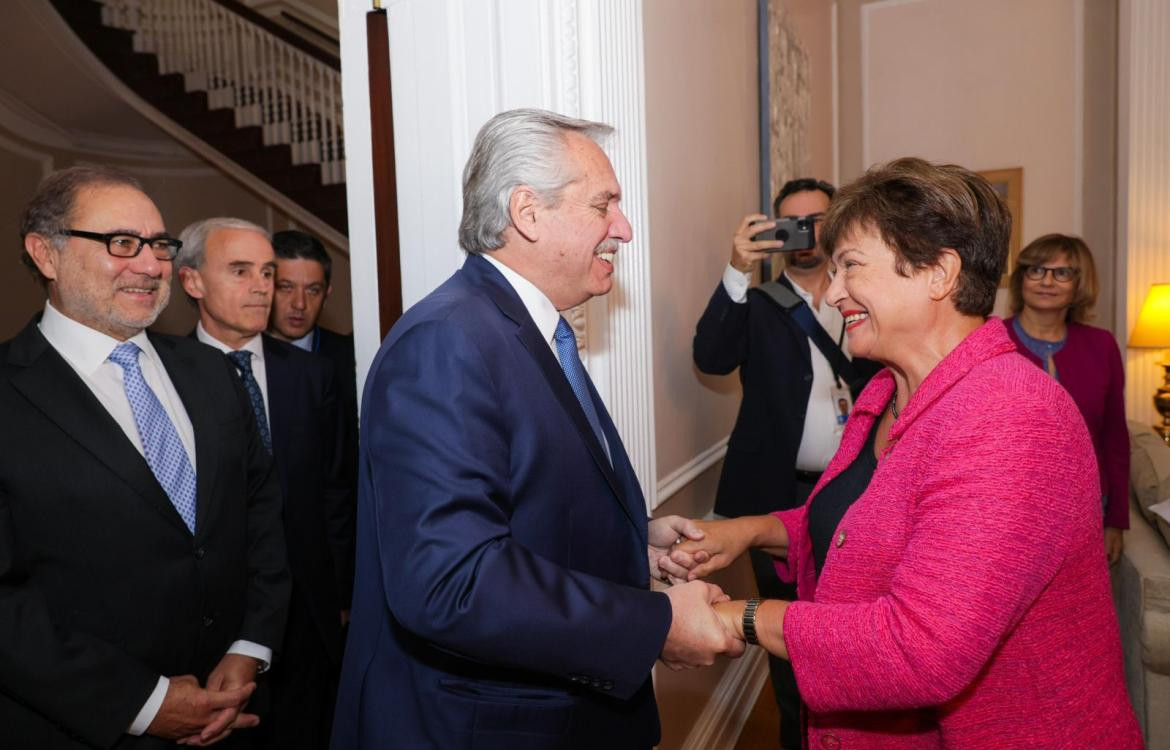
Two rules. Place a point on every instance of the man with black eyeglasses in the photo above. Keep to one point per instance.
(794, 364)
(143, 577)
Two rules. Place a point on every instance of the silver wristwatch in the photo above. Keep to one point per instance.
(749, 621)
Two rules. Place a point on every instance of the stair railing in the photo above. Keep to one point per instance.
(293, 97)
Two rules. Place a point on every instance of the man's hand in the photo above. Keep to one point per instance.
(697, 635)
(187, 708)
(232, 672)
(746, 253)
(664, 533)
(1114, 544)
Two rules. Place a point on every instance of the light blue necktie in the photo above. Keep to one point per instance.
(578, 380)
(243, 362)
(164, 451)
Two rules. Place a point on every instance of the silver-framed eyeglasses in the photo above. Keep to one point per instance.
(125, 245)
(1062, 274)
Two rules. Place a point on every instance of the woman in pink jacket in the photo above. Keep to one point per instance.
(951, 586)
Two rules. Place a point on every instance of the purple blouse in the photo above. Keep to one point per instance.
(1089, 367)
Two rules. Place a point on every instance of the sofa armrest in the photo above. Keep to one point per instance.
(1146, 565)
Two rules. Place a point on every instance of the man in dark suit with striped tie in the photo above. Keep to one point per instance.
(227, 267)
(143, 579)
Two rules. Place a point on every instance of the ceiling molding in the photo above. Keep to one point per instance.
(21, 120)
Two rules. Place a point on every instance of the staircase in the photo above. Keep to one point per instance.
(245, 86)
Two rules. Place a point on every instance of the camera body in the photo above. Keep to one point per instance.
(797, 233)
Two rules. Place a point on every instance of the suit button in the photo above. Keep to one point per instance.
(607, 685)
(830, 742)
(840, 538)
(208, 621)
(199, 553)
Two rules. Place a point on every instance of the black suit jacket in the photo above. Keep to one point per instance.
(310, 448)
(338, 349)
(102, 587)
(775, 368)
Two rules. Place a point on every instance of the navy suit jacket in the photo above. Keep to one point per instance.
(502, 591)
(775, 367)
(102, 587)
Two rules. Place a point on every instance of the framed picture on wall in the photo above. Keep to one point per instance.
(1009, 183)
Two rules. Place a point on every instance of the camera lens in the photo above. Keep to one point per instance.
(782, 235)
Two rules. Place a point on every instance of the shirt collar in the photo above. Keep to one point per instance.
(305, 342)
(85, 348)
(544, 314)
(796, 287)
(255, 345)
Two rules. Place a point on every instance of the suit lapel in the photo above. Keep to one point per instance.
(500, 291)
(52, 386)
(185, 377)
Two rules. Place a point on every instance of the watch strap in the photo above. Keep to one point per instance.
(749, 621)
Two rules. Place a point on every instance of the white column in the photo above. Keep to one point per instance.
(1143, 182)
(454, 64)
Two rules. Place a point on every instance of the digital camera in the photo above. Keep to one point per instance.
(796, 233)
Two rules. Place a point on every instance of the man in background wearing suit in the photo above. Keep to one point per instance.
(227, 267)
(304, 281)
(502, 597)
(141, 549)
(789, 423)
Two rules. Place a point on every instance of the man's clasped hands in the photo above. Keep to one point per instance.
(706, 623)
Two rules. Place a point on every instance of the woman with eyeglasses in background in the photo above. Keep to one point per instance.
(1053, 290)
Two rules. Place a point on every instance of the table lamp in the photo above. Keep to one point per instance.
(1153, 332)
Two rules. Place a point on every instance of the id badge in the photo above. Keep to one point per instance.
(842, 405)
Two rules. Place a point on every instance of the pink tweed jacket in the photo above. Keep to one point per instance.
(965, 600)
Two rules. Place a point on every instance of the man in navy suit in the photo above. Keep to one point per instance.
(502, 596)
(227, 267)
(143, 581)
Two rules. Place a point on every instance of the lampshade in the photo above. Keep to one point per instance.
(1153, 325)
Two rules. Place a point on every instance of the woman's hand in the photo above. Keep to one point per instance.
(1114, 544)
(724, 541)
(663, 534)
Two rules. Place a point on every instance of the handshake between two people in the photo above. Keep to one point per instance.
(705, 622)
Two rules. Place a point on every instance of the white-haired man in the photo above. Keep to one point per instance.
(227, 267)
(502, 596)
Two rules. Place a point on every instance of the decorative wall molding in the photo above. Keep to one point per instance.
(24, 122)
(688, 472)
(1143, 213)
(721, 721)
(43, 158)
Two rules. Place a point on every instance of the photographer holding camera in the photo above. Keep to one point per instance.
(788, 344)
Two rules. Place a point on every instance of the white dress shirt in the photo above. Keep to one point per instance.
(86, 350)
(540, 308)
(255, 347)
(820, 438)
(305, 342)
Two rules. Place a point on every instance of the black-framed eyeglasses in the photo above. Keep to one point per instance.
(1059, 273)
(123, 245)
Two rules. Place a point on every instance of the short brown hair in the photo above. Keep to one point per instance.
(50, 210)
(1042, 249)
(918, 209)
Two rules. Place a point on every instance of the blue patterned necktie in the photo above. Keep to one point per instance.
(575, 372)
(243, 362)
(161, 445)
